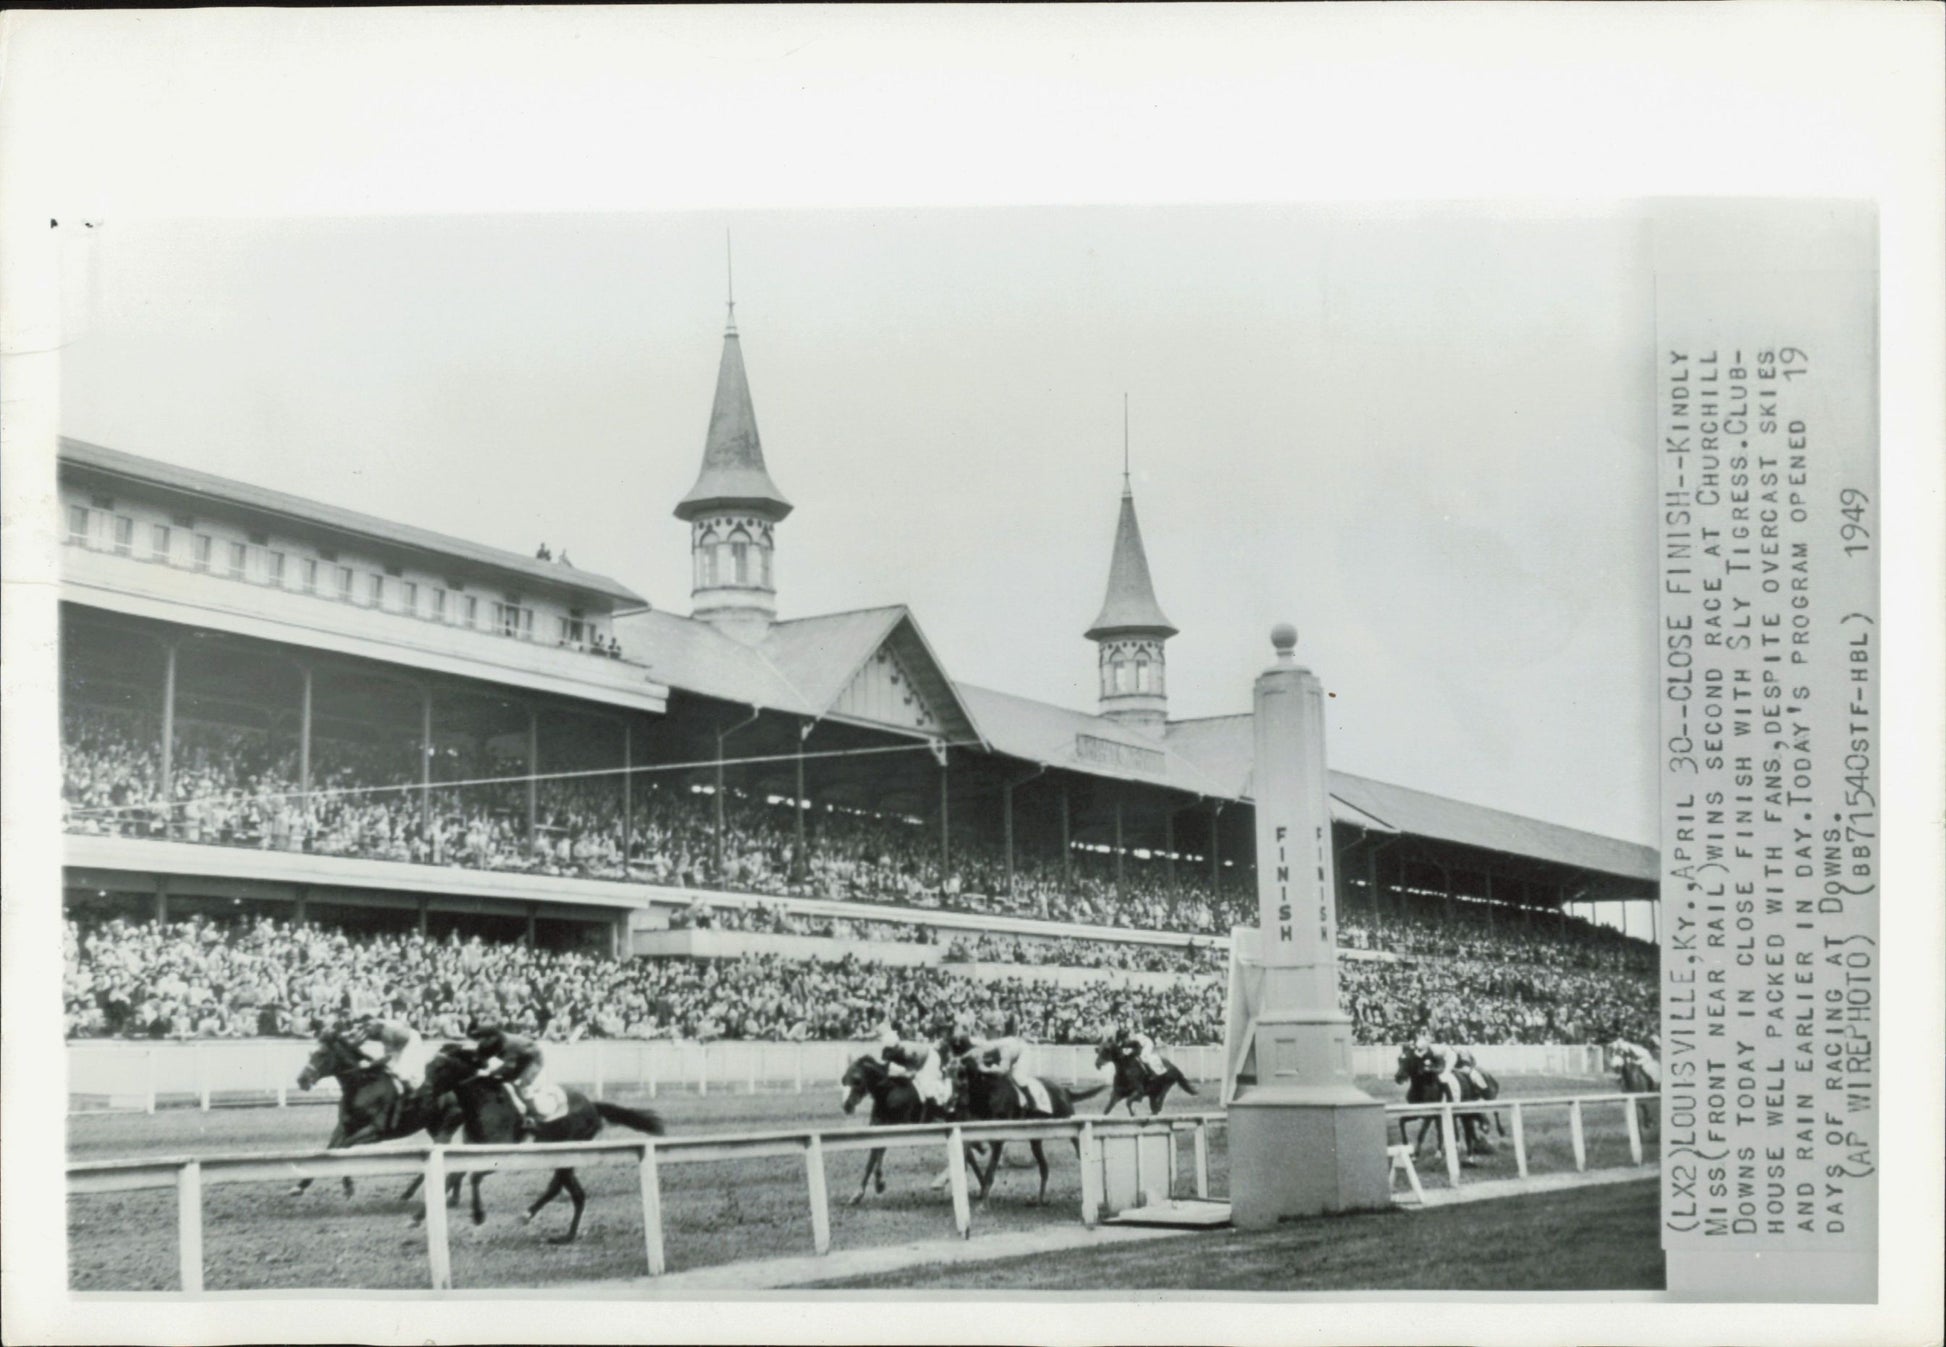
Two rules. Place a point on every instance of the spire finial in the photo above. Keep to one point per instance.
(1125, 486)
(730, 282)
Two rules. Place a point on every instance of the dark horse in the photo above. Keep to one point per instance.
(895, 1100)
(1419, 1073)
(1636, 1081)
(1135, 1081)
(992, 1098)
(372, 1107)
(493, 1117)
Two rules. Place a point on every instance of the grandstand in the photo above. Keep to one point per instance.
(305, 730)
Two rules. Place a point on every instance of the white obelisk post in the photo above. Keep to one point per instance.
(1304, 1139)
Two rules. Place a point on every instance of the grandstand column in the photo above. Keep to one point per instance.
(533, 779)
(425, 766)
(1067, 844)
(1215, 848)
(165, 776)
(945, 806)
(304, 746)
(628, 801)
(161, 899)
(1120, 888)
(797, 807)
(533, 911)
(1169, 845)
(1303, 1138)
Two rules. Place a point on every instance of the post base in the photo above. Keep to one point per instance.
(1305, 1151)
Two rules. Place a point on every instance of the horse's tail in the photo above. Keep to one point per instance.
(1183, 1081)
(641, 1119)
(1078, 1095)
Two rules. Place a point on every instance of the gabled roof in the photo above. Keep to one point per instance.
(801, 666)
(1130, 605)
(1225, 746)
(334, 519)
(733, 474)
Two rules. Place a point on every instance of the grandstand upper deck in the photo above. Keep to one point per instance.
(154, 541)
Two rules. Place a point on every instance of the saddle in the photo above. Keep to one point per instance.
(1033, 1094)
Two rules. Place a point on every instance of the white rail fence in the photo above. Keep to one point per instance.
(435, 1164)
(1521, 1109)
(121, 1074)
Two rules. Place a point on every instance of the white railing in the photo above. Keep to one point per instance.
(1520, 1109)
(128, 1074)
(435, 1164)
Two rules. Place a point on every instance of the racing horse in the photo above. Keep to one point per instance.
(895, 1101)
(1419, 1073)
(1635, 1080)
(492, 1116)
(372, 1107)
(995, 1098)
(1135, 1081)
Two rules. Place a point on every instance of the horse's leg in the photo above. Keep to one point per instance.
(336, 1143)
(479, 1212)
(1114, 1098)
(872, 1163)
(412, 1187)
(577, 1195)
(993, 1163)
(554, 1186)
(1040, 1158)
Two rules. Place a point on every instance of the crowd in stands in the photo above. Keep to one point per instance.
(1489, 977)
(266, 977)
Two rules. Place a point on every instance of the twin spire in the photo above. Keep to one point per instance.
(734, 508)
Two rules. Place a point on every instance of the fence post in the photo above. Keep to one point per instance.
(956, 1167)
(1449, 1142)
(1520, 1142)
(1202, 1158)
(797, 1065)
(1574, 1132)
(148, 1059)
(652, 1209)
(648, 1065)
(702, 1069)
(189, 1226)
(597, 1069)
(755, 1052)
(202, 1073)
(283, 1083)
(1634, 1129)
(438, 1252)
(820, 1200)
(1090, 1174)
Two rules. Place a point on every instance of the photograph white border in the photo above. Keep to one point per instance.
(282, 113)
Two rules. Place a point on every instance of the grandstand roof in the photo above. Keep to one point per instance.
(802, 666)
(336, 519)
(1224, 746)
(1130, 604)
(733, 475)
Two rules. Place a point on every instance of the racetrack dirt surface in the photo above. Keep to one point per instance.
(256, 1236)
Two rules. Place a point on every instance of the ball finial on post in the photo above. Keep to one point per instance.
(1283, 638)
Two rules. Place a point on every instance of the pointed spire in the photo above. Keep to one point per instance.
(730, 285)
(733, 474)
(1130, 605)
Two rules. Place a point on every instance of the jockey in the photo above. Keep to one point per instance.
(1002, 1056)
(519, 1065)
(1626, 1052)
(1464, 1065)
(919, 1062)
(1142, 1048)
(1441, 1060)
(383, 1042)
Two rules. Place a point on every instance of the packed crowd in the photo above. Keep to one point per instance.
(265, 977)
(236, 787)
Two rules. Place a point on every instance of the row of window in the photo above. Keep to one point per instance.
(310, 575)
(1136, 675)
(732, 563)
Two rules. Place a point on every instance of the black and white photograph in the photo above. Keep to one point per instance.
(611, 753)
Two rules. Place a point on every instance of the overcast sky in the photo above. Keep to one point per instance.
(1419, 433)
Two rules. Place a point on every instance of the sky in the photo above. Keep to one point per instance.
(1418, 432)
